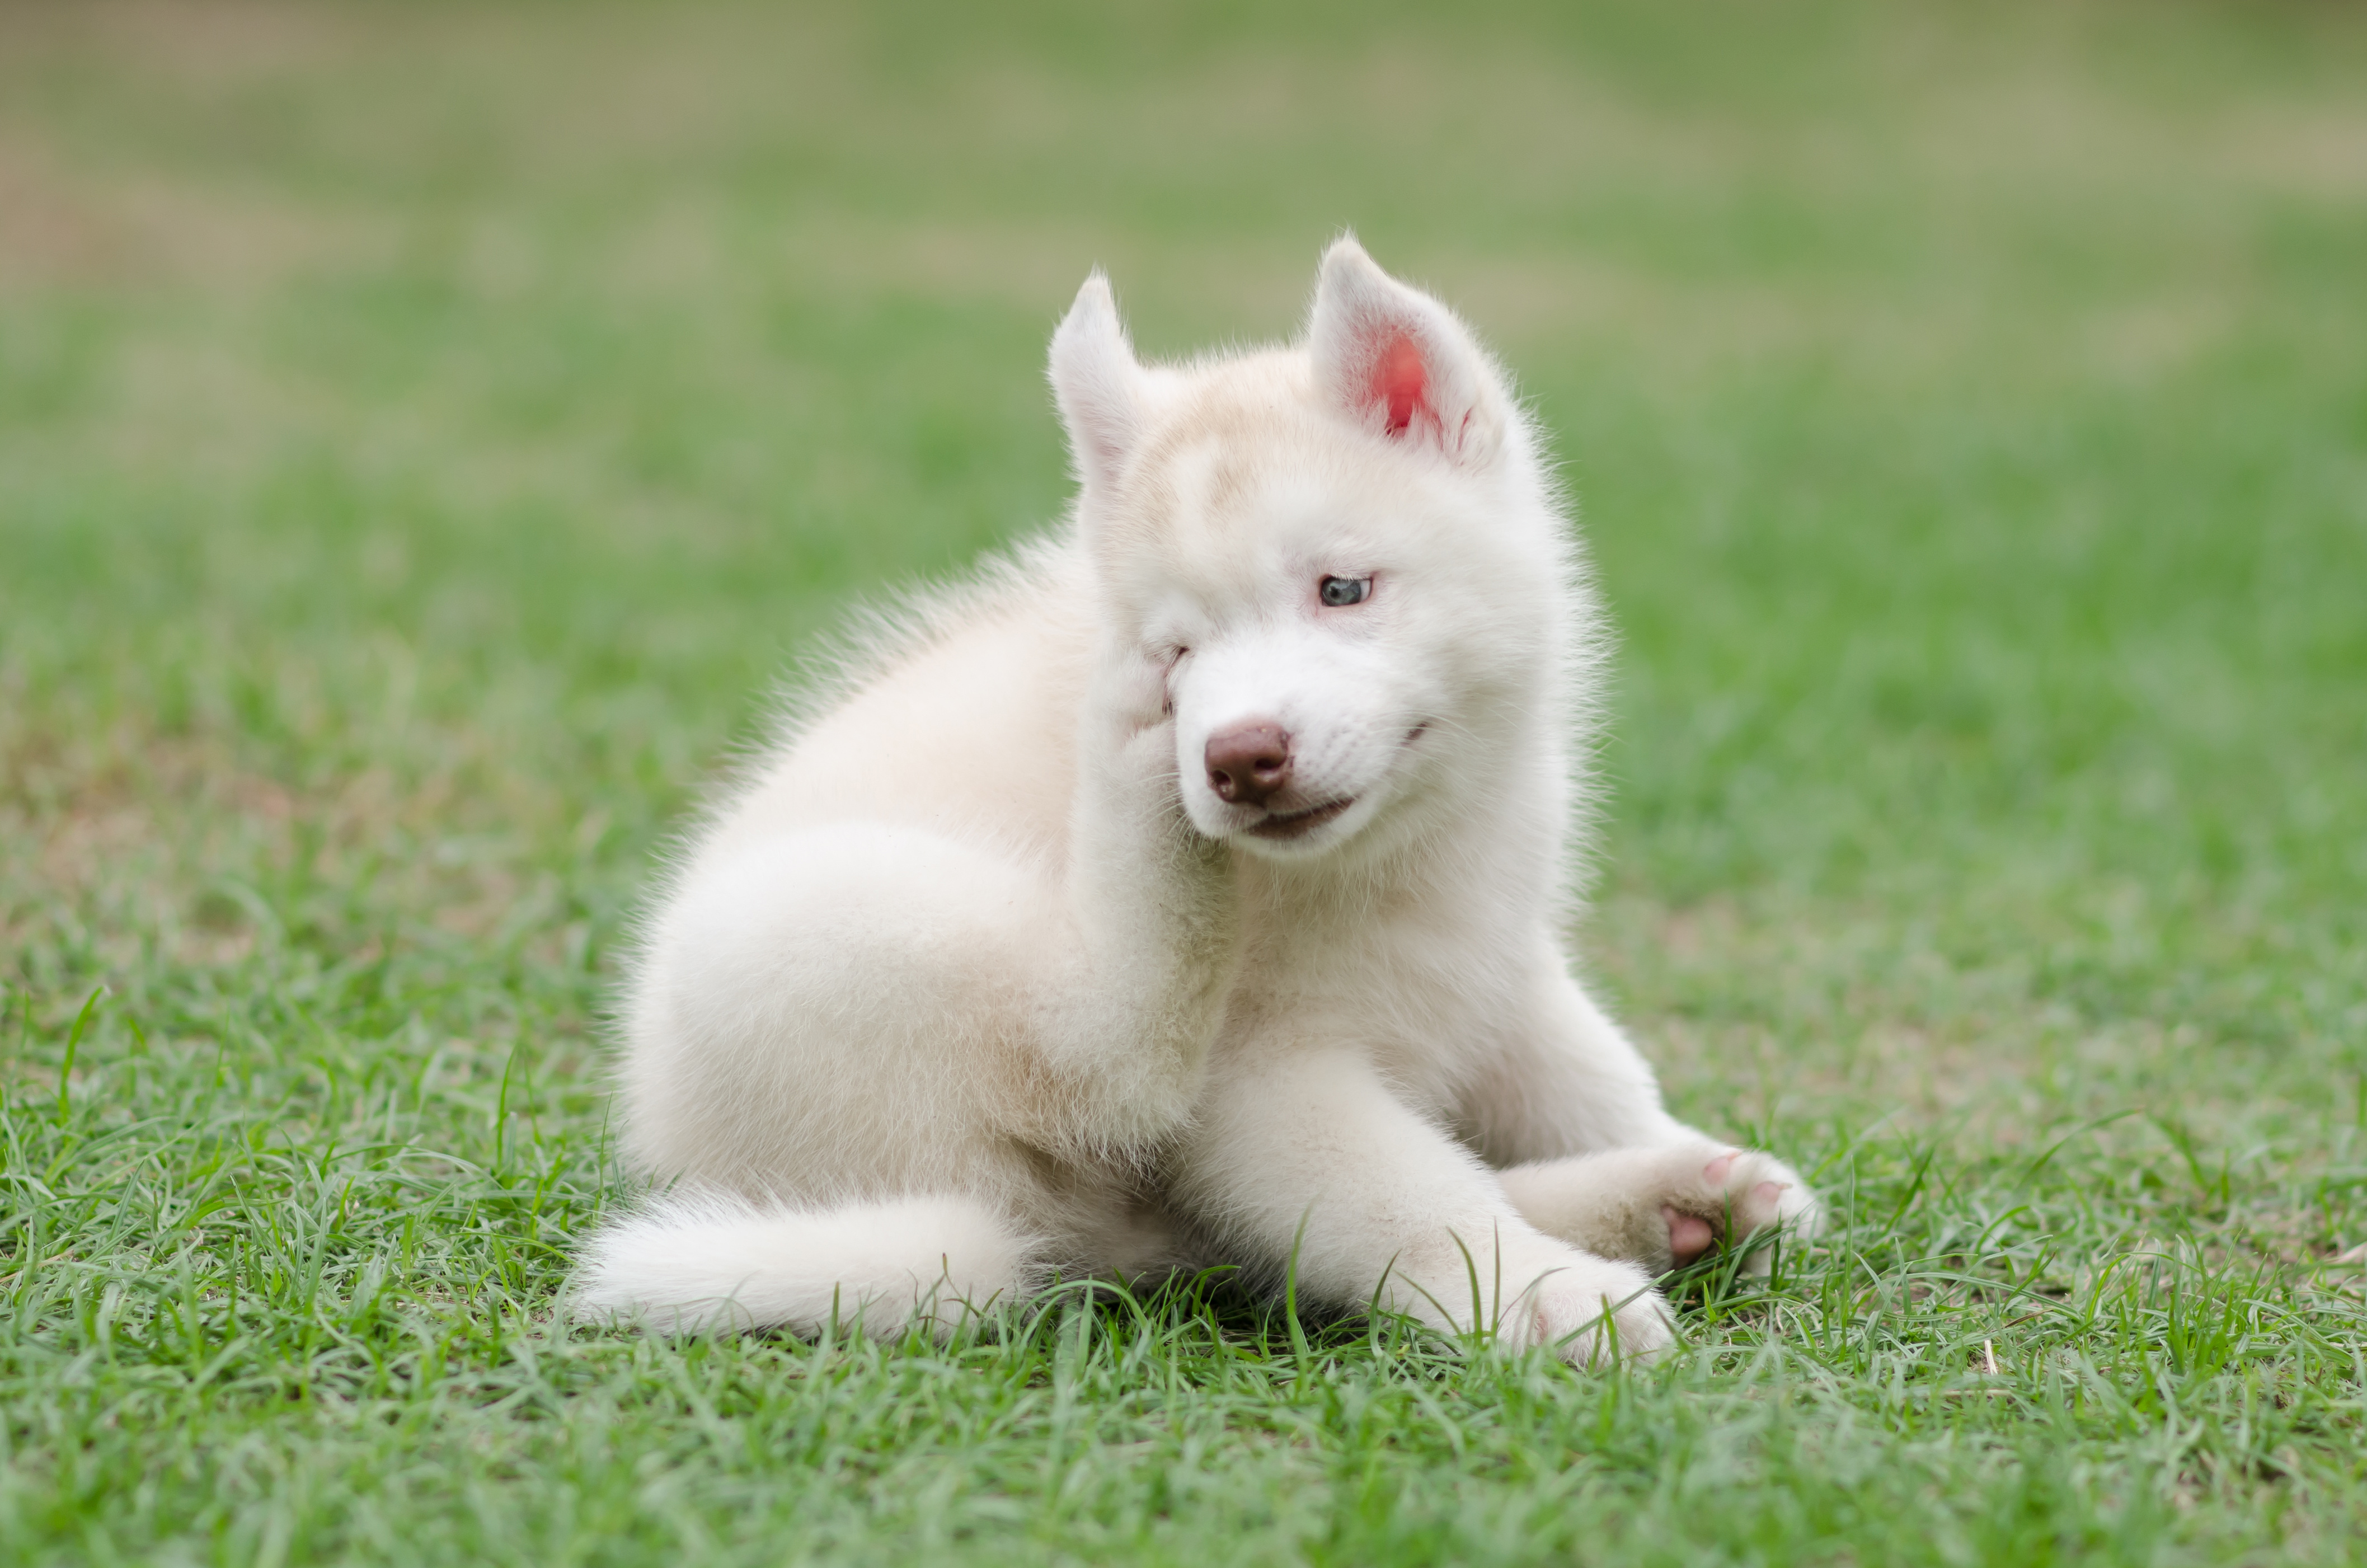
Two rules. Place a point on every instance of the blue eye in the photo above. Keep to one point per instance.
(1340, 592)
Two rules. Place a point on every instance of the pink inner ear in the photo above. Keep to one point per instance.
(1399, 379)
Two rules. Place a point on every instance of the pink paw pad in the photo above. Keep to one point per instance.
(1689, 1234)
(1715, 1172)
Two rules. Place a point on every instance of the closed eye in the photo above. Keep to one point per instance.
(1167, 679)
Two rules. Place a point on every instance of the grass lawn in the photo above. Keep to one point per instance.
(427, 432)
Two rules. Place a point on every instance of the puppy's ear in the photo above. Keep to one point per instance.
(1398, 362)
(1098, 386)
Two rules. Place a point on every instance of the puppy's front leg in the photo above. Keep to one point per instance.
(1573, 1113)
(1310, 1149)
(1150, 924)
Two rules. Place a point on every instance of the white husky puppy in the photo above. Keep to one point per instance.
(1189, 889)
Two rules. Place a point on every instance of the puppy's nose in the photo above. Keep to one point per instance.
(1248, 764)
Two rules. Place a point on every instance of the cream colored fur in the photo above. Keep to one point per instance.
(980, 979)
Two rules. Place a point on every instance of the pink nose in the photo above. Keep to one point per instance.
(1248, 764)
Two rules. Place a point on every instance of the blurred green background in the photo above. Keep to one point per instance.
(476, 407)
(427, 433)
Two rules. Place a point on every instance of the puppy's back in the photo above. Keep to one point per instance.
(965, 726)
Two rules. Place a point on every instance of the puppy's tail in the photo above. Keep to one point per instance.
(701, 1263)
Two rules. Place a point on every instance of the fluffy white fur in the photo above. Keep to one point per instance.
(982, 978)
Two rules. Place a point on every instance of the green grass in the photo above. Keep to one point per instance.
(427, 433)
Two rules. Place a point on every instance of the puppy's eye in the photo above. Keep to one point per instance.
(1340, 592)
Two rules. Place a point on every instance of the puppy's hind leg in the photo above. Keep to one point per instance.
(702, 1263)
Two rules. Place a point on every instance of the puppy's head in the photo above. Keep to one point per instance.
(1340, 562)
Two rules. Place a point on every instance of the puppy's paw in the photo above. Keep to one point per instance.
(1594, 1312)
(1728, 1196)
(1665, 1206)
(1536, 1292)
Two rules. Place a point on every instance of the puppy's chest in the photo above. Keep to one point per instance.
(1423, 1001)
